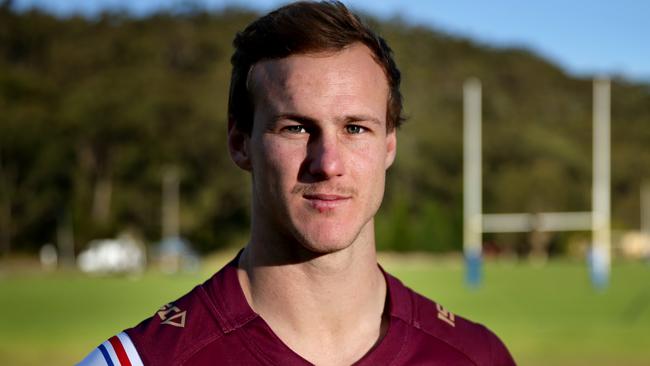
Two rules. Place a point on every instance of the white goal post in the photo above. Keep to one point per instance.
(475, 222)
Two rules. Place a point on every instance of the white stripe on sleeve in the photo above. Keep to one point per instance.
(130, 349)
(95, 358)
(111, 353)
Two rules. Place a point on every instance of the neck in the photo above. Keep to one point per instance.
(315, 302)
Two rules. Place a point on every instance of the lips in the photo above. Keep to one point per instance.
(326, 202)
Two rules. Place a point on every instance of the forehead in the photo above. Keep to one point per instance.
(349, 78)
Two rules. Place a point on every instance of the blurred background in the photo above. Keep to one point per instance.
(117, 193)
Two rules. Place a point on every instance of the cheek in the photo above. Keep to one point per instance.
(368, 162)
(282, 160)
(373, 154)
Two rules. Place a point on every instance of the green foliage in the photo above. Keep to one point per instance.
(403, 226)
(93, 111)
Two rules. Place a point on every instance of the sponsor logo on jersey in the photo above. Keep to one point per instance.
(446, 316)
(170, 314)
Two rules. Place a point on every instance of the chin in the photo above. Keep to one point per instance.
(325, 247)
(323, 244)
(324, 239)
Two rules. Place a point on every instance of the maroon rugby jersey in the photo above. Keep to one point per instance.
(214, 325)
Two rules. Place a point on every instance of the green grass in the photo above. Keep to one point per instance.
(55, 320)
(547, 316)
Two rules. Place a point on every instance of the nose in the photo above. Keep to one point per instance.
(325, 156)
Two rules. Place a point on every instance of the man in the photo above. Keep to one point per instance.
(314, 108)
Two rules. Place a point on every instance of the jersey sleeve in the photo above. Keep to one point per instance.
(499, 354)
(119, 350)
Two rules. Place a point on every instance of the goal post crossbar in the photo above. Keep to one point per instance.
(597, 220)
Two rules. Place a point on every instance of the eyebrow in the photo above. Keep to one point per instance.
(294, 117)
(308, 120)
(362, 117)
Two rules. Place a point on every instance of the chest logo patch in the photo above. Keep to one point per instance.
(446, 316)
(171, 315)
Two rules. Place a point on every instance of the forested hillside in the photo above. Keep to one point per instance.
(93, 112)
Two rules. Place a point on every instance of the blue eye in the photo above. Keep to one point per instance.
(354, 129)
(295, 129)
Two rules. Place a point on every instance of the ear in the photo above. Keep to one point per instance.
(238, 144)
(391, 147)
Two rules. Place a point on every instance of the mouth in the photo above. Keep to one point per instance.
(326, 202)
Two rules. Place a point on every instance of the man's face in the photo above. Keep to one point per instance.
(319, 149)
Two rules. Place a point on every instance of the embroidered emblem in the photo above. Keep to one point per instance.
(172, 315)
(446, 316)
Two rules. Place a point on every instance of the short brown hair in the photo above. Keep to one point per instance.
(305, 27)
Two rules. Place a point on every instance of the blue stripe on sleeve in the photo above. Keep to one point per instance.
(107, 357)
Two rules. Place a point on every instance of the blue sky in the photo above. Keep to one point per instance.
(582, 36)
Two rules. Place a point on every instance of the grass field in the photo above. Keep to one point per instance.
(546, 315)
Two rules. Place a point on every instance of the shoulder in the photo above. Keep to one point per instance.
(475, 341)
(177, 330)
(199, 320)
(170, 336)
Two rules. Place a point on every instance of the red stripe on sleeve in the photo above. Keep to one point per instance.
(119, 351)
